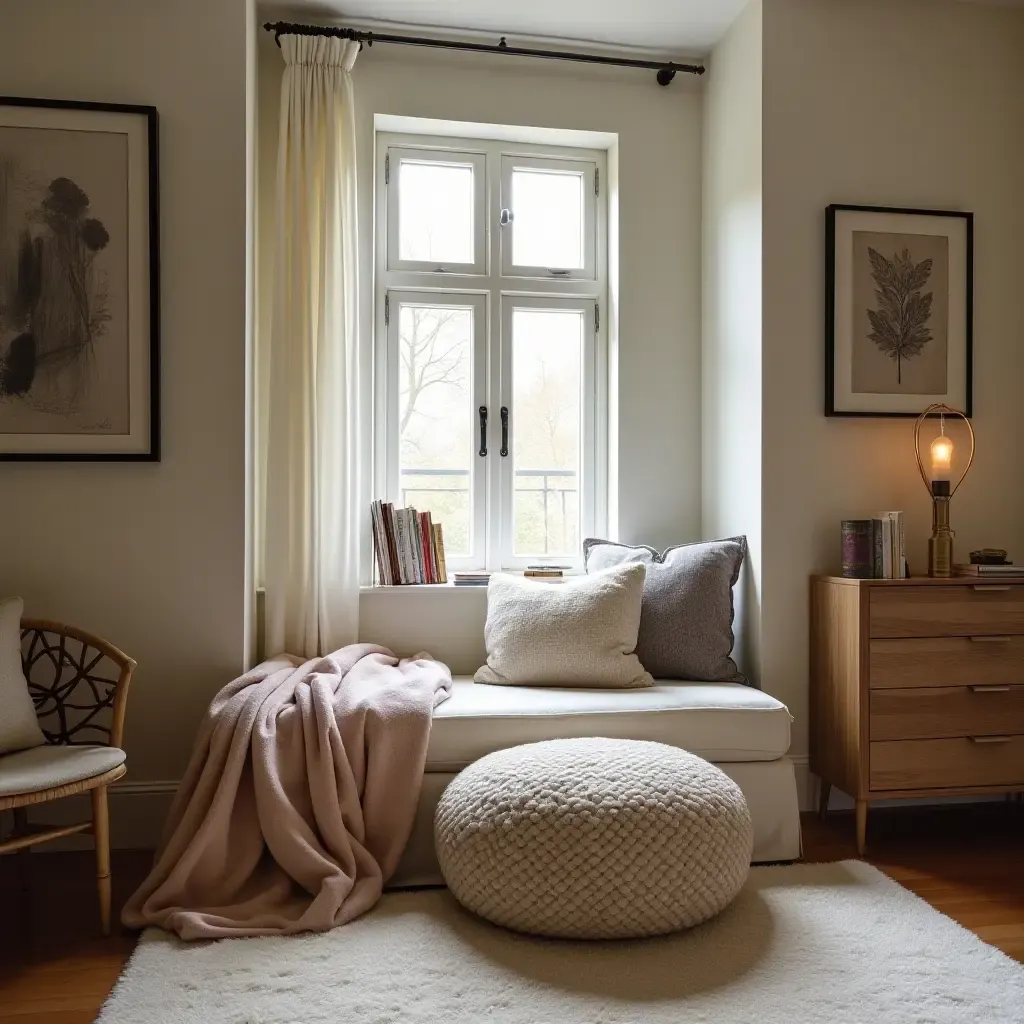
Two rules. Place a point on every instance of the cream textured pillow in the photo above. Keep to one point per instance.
(19, 728)
(578, 633)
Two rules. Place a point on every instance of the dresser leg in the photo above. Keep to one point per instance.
(824, 792)
(862, 826)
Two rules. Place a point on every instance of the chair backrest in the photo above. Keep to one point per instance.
(78, 683)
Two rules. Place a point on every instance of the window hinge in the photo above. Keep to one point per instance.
(597, 181)
(387, 309)
(387, 168)
(597, 317)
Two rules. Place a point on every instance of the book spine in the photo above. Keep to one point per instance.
(439, 540)
(424, 537)
(428, 546)
(903, 546)
(877, 570)
(857, 550)
(403, 564)
(886, 547)
(388, 515)
(415, 554)
(432, 540)
(378, 547)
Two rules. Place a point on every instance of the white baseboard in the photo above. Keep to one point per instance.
(138, 809)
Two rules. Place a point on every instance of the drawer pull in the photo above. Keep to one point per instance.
(990, 739)
(981, 586)
(990, 639)
(988, 688)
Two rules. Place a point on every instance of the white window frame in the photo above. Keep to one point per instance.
(477, 302)
(488, 284)
(587, 483)
(433, 154)
(588, 170)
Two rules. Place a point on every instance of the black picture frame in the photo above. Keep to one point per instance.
(832, 406)
(150, 117)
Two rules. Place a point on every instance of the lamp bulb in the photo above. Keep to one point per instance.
(942, 457)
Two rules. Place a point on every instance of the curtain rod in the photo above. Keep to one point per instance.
(666, 69)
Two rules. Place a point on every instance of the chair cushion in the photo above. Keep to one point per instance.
(46, 767)
(716, 721)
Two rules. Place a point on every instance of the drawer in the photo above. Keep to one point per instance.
(947, 661)
(947, 764)
(974, 609)
(947, 711)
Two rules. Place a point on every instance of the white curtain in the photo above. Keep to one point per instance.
(310, 485)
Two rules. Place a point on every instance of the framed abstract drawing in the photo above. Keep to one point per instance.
(898, 310)
(79, 281)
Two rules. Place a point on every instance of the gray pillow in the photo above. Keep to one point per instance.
(687, 612)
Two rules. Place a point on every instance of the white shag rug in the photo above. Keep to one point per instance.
(837, 943)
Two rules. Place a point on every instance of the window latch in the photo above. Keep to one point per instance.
(483, 432)
(559, 273)
(506, 218)
(504, 431)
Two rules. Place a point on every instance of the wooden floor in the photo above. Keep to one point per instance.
(967, 861)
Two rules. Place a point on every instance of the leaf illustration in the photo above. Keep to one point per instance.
(899, 326)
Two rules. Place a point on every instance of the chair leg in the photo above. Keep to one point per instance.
(24, 863)
(101, 836)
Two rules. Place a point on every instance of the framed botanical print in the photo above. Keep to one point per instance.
(898, 310)
(79, 281)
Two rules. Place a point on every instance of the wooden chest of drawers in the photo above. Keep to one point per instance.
(917, 688)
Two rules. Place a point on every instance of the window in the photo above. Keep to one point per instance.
(490, 394)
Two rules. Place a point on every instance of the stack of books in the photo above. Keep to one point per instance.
(408, 545)
(875, 549)
(545, 573)
(992, 571)
(471, 579)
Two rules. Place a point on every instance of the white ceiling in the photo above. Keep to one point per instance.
(667, 26)
(672, 27)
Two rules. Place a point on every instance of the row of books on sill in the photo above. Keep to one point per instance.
(409, 549)
(408, 546)
(875, 549)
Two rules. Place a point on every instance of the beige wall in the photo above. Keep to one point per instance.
(154, 556)
(916, 104)
(731, 311)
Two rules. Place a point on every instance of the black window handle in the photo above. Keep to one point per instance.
(504, 431)
(483, 431)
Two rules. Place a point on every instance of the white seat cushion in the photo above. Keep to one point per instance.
(29, 771)
(716, 721)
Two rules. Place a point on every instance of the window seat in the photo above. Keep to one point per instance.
(744, 731)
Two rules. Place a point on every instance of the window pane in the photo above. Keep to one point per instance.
(435, 417)
(547, 358)
(435, 212)
(547, 229)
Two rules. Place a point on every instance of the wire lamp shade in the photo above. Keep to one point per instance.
(938, 478)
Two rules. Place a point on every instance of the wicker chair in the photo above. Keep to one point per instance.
(79, 684)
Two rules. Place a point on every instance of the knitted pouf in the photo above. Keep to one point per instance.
(593, 838)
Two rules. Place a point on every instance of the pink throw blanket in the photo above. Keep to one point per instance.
(299, 797)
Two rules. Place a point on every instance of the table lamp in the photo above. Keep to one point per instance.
(936, 466)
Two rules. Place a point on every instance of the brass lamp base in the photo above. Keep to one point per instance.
(940, 544)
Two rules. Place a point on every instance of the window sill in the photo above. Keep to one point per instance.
(446, 588)
(418, 588)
